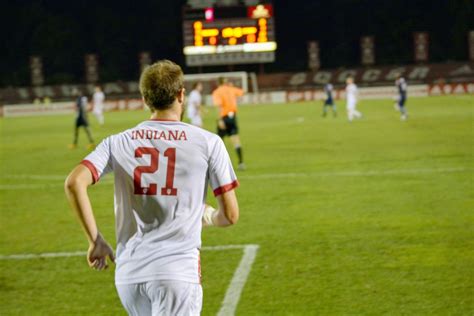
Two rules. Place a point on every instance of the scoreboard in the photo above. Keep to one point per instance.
(229, 35)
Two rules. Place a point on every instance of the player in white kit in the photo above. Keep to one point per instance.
(194, 105)
(351, 99)
(98, 104)
(162, 169)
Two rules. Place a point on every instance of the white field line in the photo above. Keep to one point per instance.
(232, 295)
(25, 256)
(367, 173)
(30, 186)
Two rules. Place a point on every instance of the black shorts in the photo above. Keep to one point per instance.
(231, 127)
(329, 102)
(401, 101)
(81, 121)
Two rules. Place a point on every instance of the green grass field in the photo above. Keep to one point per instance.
(373, 217)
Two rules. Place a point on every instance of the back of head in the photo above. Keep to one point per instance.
(197, 86)
(160, 84)
(221, 81)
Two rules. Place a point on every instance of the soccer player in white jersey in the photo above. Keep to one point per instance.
(162, 168)
(401, 85)
(98, 104)
(194, 105)
(351, 99)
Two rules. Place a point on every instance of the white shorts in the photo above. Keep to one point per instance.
(351, 104)
(166, 297)
(98, 108)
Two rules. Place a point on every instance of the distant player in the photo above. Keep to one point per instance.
(98, 104)
(401, 85)
(329, 102)
(81, 119)
(225, 97)
(351, 99)
(194, 105)
(161, 170)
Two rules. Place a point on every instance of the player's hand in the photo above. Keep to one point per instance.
(221, 124)
(98, 252)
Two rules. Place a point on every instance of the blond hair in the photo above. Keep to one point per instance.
(161, 83)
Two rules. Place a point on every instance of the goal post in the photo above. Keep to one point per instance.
(242, 79)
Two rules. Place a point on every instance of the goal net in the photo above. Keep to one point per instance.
(241, 79)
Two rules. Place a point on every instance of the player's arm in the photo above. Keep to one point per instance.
(227, 213)
(238, 92)
(76, 192)
(216, 99)
(223, 181)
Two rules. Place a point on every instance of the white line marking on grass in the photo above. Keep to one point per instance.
(34, 177)
(25, 256)
(13, 187)
(232, 295)
(366, 173)
(27, 186)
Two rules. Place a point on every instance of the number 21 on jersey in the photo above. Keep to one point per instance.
(154, 154)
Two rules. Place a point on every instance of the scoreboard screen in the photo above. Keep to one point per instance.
(229, 35)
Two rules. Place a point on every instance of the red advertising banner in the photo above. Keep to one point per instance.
(471, 45)
(367, 50)
(421, 46)
(314, 62)
(91, 68)
(36, 69)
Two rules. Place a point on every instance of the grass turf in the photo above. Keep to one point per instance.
(364, 218)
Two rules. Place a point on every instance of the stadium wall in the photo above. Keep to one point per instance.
(370, 76)
(273, 97)
(364, 77)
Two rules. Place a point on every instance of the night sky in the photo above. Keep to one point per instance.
(63, 31)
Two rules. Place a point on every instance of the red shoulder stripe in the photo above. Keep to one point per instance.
(225, 188)
(92, 168)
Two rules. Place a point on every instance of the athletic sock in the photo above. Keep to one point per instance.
(239, 154)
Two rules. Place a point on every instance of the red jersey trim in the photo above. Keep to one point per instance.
(92, 169)
(226, 188)
(164, 120)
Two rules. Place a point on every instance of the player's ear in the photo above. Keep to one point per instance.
(181, 95)
(144, 103)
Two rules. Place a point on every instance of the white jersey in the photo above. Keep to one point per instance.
(351, 94)
(98, 99)
(194, 102)
(162, 170)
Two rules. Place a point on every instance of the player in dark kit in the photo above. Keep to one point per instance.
(81, 119)
(329, 102)
(402, 96)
